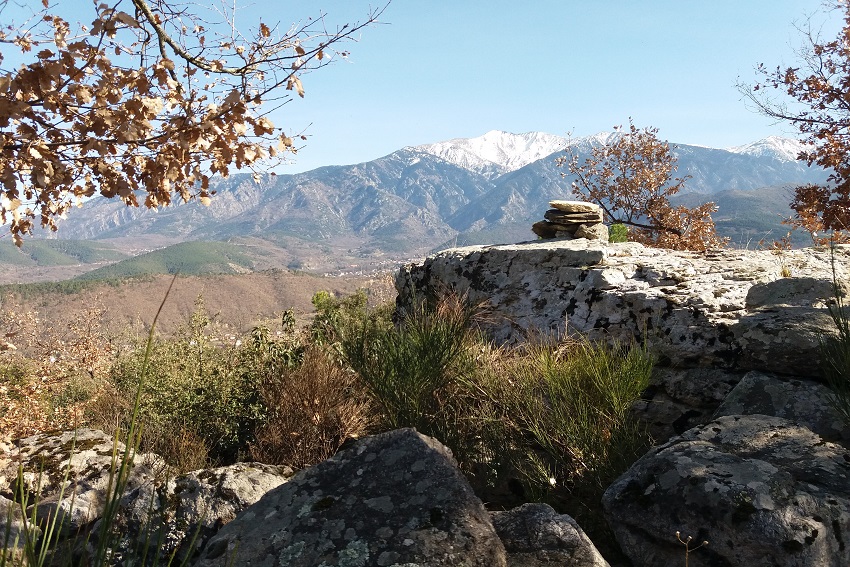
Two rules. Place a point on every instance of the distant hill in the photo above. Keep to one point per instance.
(417, 199)
(57, 253)
(187, 258)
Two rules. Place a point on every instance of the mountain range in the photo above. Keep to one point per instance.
(488, 189)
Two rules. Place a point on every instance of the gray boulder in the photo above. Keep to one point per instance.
(176, 518)
(680, 399)
(760, 489)
(69, 474)
(803, 402)
(390, 499)
(14, 527)
(535, 535)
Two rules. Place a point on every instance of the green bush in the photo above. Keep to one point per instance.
(194, 390)
(574, 402)
(554, 418)
(407, 367)
(618, 232)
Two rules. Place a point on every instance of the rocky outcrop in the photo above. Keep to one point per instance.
(709, 317)
(760, 489)
(69, 474)
(729, 309)
(391, 499)
(158, 516)
(534, 535)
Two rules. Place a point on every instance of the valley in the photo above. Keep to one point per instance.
(368, 218)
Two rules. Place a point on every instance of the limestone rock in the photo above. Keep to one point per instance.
(184, 513)
(592, 232)
(86, 457)
(803, 402)
(760, 489)
(800, 291)
(576, 207)
(390, 499)
(679, 399)
(14, 526)
(535, 535)
(692, 307)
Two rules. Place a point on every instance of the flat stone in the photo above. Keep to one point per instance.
(558, 216)
(576, 207)
(544, 229)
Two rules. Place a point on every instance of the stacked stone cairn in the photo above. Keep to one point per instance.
(572, 219)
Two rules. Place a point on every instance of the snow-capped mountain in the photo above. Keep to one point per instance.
(483, 190)
(496, 152)
(775, 147)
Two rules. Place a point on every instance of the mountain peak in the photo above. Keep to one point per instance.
(496, 152)
(776, 147)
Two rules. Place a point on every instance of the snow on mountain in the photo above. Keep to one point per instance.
(496, 152)
(783, 149)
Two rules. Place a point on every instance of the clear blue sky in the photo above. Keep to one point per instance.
(440, 69)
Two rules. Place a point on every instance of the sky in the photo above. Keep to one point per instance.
(442, 69)
(434, 70)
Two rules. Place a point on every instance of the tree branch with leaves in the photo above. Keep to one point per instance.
(145, 106)
(631, 178)
(815, 98)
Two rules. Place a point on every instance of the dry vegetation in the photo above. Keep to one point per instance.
(291, 393)
(242, 301)
(51, 339)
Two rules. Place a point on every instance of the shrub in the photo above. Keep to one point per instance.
(312, 409)
(49, 374)
(407, 367)
(618, 232)
(573, 401)
(546, 421)
(194, 390)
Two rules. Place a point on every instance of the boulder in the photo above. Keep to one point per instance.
(680, 399)
(391, 499)
(14, 526)
(182, 514)
(696, 309)
(69, 473)
(760, 489)
(534, 535)
(803, 402)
